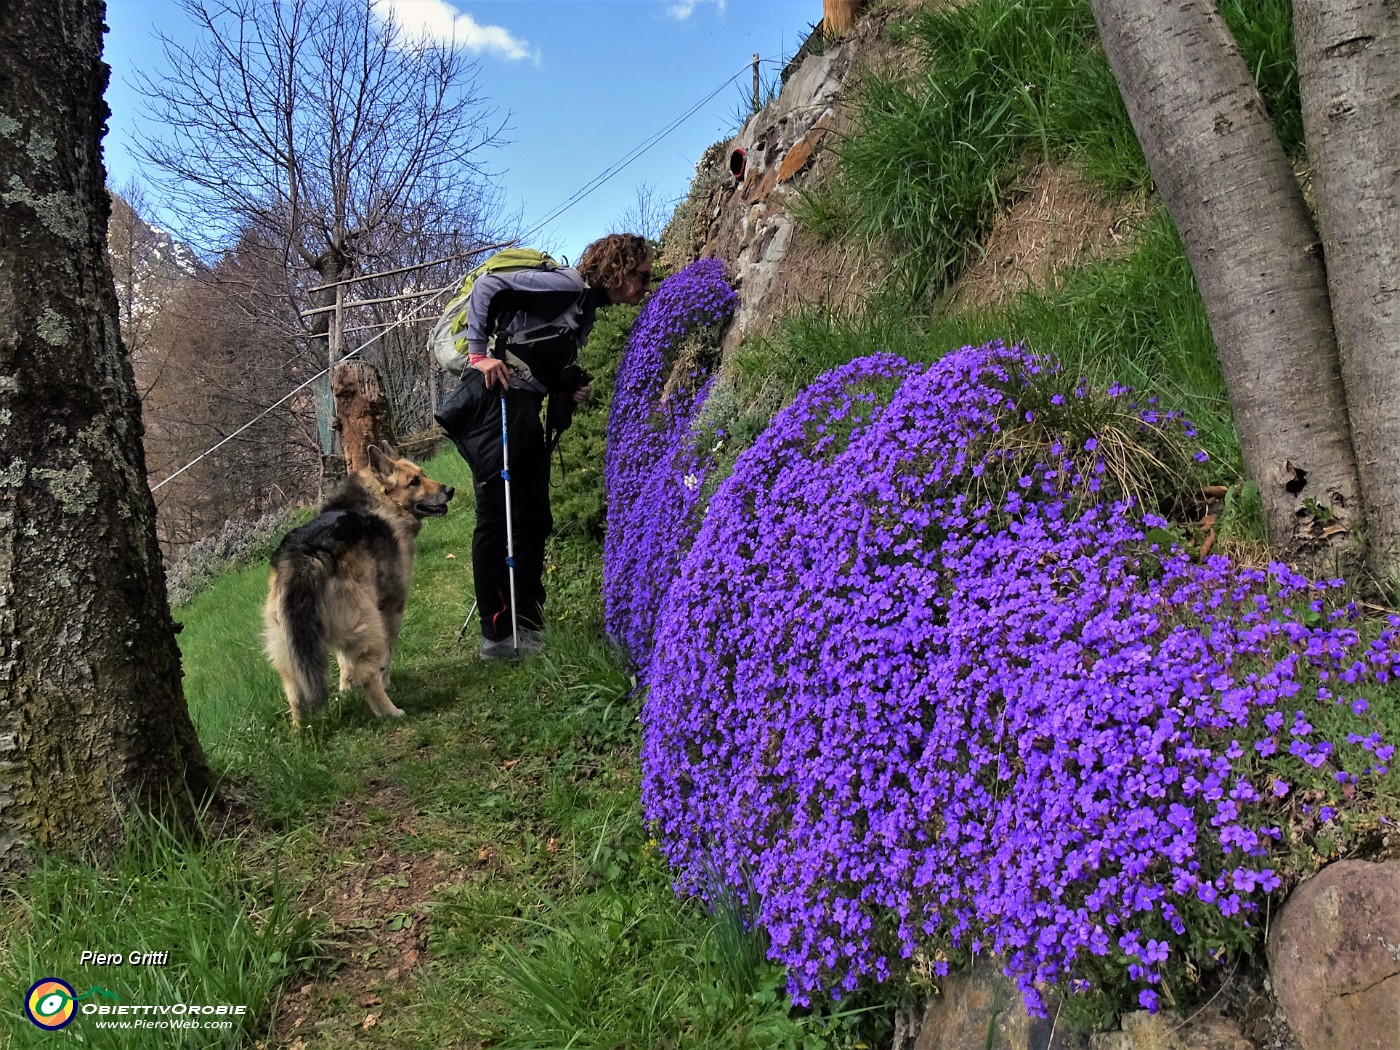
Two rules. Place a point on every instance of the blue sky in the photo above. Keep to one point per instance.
(585, 83)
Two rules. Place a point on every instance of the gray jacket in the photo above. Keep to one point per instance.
(542, 318)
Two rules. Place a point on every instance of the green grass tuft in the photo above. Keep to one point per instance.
(221, 910)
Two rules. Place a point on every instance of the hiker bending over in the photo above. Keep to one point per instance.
(524, 329)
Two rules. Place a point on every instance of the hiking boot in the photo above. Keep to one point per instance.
(502, 649)
(499, 649)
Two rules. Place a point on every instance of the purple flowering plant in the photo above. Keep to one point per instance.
(934, 681)
(655, 472)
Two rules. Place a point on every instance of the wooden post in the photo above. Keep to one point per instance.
(756, 106)
(838, 16)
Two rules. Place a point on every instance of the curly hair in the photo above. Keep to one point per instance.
(607, 261)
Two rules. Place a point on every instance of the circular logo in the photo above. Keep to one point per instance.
(50, 1003)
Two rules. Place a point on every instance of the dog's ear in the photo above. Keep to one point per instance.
(380, 461)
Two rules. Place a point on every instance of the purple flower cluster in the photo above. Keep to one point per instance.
(923, 696)
(654, 470)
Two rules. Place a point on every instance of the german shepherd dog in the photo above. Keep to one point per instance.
(340, 582)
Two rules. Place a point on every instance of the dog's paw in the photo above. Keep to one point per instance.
(393, 712)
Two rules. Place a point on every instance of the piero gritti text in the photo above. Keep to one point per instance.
(88, 958)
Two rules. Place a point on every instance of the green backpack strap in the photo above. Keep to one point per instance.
(447, 342)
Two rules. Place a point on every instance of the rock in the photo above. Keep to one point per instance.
(800, 155)
(1204, 1030)
(982, 1009)
(1334, 958)
(907, 1020)
(755, 190)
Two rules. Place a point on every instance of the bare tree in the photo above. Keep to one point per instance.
(1253, 247)
(130, 242)
(92, 717)
(319, 126)
(647, 215)
(1349, 78)
(399, 316)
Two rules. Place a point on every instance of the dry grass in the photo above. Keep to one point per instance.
(1060, 220)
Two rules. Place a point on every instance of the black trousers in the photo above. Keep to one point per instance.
(530, 519)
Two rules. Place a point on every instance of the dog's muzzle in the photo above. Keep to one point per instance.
(435, 507)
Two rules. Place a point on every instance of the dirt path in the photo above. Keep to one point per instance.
(374, 902)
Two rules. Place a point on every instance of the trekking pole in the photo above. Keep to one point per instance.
(510, 531)
(467, 622)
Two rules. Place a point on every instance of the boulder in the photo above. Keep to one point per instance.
(1204, 1030)
(982, 1009)
(1334, 958)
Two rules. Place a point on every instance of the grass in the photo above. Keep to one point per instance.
(1006, 83)
(1136, 321)
(223, 911)
(1002, 86)
(1005, 86)
(1264, 31)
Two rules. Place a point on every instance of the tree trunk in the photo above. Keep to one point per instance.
(1228, 185)
(1349, 75)
(92, 716)
(326, 333)
(361, 412)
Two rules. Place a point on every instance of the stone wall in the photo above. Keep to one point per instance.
(744, 216)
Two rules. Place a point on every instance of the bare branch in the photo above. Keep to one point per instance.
(318, 124)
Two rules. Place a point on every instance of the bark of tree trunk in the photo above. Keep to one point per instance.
(1349, 75)
(92, 715)
(330, 266)
(1228, 185)
(362, 413)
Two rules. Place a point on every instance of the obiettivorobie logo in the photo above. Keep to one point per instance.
(51, 1003)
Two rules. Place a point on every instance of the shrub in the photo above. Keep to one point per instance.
(240, 542)
(577, 495)
(934, 684)
(654, 470)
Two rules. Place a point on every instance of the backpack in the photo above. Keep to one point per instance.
(448, 340)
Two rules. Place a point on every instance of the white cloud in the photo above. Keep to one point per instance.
(685, 8)
(441, 21)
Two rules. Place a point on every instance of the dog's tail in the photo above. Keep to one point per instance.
(296, 632)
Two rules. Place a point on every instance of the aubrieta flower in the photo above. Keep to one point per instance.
(654, 472)
(905, 709)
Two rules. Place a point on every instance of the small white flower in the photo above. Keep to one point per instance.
(691, 481)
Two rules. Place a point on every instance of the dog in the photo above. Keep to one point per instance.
(340, 582)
